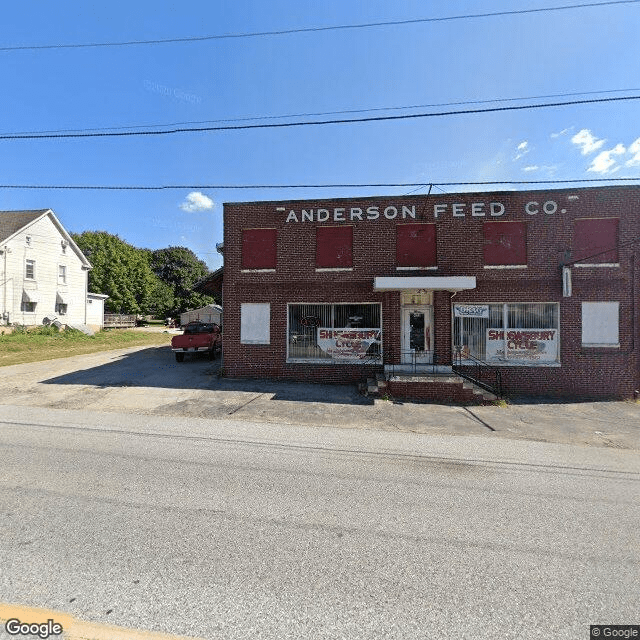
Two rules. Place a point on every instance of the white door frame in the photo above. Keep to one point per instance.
(408, 355)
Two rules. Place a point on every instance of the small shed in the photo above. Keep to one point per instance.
(95, 310)
(208, 313)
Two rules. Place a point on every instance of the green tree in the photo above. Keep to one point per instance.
(180, 269)
(122, 272)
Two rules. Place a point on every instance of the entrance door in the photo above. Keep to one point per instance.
(417, 339)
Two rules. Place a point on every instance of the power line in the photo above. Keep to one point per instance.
(281, 32)
(308, 186)
(323, 113)
(279, 125)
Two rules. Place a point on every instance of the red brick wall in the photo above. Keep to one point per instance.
(585, 372)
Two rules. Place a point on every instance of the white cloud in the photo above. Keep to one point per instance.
(603, 162)
(523, 149)
(197, 201)
(533, 167)
(587, 141)
(634, 148)
(561, 133)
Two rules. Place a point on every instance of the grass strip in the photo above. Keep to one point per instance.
(48, 343)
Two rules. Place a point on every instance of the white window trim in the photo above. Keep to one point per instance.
(257, 270)
(334, 268)
(505, 266)
(416, 268)
(33, 264)
(601, 264)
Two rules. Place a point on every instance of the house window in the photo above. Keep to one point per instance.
(595, 242)
(508, 334)
(255, 321)
(600, 324)
(333, 333)
(28, 307)
(30, 269)
(64, 245)
(259, 248)
(61, 308)
(505, 244)
(334, 247)
(416, 246)
(27, 240)
(62, 274)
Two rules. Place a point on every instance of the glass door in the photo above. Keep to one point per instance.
(417, 339)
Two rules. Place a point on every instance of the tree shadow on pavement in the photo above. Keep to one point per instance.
(156, 367)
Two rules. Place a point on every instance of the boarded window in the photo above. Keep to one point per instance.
(505, 243)
(595, 240)
(259, 248)
(255, 321)
(334, 247)
(600, 323)
(416, 245)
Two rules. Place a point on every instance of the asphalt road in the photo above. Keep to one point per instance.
(233, 529)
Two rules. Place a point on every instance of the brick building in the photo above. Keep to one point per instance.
(539, 288)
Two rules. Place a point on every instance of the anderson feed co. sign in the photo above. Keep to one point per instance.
(524, 345)
(458, 210)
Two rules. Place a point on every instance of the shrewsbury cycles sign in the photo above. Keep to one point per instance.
(403, 212)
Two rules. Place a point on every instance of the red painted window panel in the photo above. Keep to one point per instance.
(505, 243)
(259, 248)
(416, 245)
(592, 236)
(334, 247)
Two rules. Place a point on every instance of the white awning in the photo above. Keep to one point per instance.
(61, 298)
(437, 283)
(30, 296)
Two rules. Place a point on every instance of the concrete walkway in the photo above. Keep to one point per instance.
(148, 381)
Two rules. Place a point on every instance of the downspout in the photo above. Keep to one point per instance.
(5, 313)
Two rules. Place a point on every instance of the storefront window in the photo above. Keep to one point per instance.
(508, 333)
(335, 332)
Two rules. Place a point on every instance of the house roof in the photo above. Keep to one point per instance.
(12, 221)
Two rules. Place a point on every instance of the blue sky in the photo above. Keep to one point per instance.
(580, 50)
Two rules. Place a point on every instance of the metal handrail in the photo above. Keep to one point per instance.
(481, 368)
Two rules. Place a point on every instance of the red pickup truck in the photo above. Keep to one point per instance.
(198, 337)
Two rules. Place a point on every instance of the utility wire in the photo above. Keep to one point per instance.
(281, 32)
(279, 125)
(308, 186)
(322, 113)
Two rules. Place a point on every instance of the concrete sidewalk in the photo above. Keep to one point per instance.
(148, 381)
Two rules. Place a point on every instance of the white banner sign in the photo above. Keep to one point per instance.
(529, 345)
(471, 310)
(347, 344)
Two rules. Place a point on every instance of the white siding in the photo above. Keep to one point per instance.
(45, 248)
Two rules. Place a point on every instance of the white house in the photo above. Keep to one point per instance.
(43, 272)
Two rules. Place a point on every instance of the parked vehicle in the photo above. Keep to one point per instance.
(198, 337)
